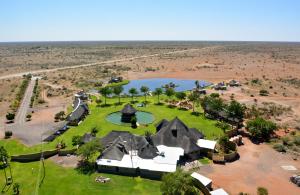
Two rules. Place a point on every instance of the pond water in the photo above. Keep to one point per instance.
(181, 84)
(143, 118)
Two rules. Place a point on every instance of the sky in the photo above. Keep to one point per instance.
(84, 20)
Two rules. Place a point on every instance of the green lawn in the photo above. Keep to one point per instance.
(61, 180)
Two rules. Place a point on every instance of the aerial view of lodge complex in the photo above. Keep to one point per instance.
(150, 97)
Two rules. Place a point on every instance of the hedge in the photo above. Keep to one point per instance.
(33, 156)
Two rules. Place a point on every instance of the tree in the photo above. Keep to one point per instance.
(133, 92)
(117, 91)
(169, 92)
(158, 92)
(197, 84)
(145, 90)
(261, 128)
(180, 95)
(236, 110)
(193, 97)
(177, 183)
(3, 155)
(10, 116)
(89, 149)
(105, 91)
(76, 140)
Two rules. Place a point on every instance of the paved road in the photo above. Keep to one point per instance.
(103, 62)
(24, 106)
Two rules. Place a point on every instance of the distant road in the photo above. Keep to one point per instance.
(24, 106)
(103, 62)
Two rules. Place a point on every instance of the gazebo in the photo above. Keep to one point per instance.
(127, 113)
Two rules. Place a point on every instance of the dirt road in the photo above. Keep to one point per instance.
(103, 62)
(23, 109)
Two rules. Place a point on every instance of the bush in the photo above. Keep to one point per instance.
(226, 145)
(222, 125)
(286, 141)
(263, 92)
(297, 140)
(262, 191)
(10, 116)
(8, 134)
(261, 128)
(76, 140)
(279, 148)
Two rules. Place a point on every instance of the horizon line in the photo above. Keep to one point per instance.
(150, 40)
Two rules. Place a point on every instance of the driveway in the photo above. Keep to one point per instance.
(259, 165)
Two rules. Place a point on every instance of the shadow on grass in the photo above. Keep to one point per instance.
(118, 104)
(182, 109)
(159, 104)
(85, 167)
(105, 105)
(171, 106)
(196, 113)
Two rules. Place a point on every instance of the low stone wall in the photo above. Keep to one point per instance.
(231, 133)
(231, 157)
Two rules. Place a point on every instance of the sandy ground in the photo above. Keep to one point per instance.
(66, 161)
(259, 165)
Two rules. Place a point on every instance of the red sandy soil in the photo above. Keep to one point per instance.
(259, 165)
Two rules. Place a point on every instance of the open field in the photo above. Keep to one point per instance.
(275, 65)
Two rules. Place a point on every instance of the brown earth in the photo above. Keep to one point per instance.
(258, 166)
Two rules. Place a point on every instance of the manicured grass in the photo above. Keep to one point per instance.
(61, 180)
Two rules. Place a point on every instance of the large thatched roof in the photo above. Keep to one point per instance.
(177, 134)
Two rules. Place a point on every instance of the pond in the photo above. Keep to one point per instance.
(180, 84)
(143, 118)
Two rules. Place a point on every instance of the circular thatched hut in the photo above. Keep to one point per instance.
(127, 113)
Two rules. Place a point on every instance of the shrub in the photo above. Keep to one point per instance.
(286, 141)
(297, 140)
(10, 116)
(76, 140)
(226, 145)
(261, 128)
(7, 134)
(262, 191)
(263, 92)
(279, 148)
(222, 125)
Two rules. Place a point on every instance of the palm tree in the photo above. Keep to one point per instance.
(158, 92)
(181, 96)
(169, 92)
(105, 91)
(197, 85)
(178, 182)
(133, 92)
(193, 97)
(117, 91)
(145, 90)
